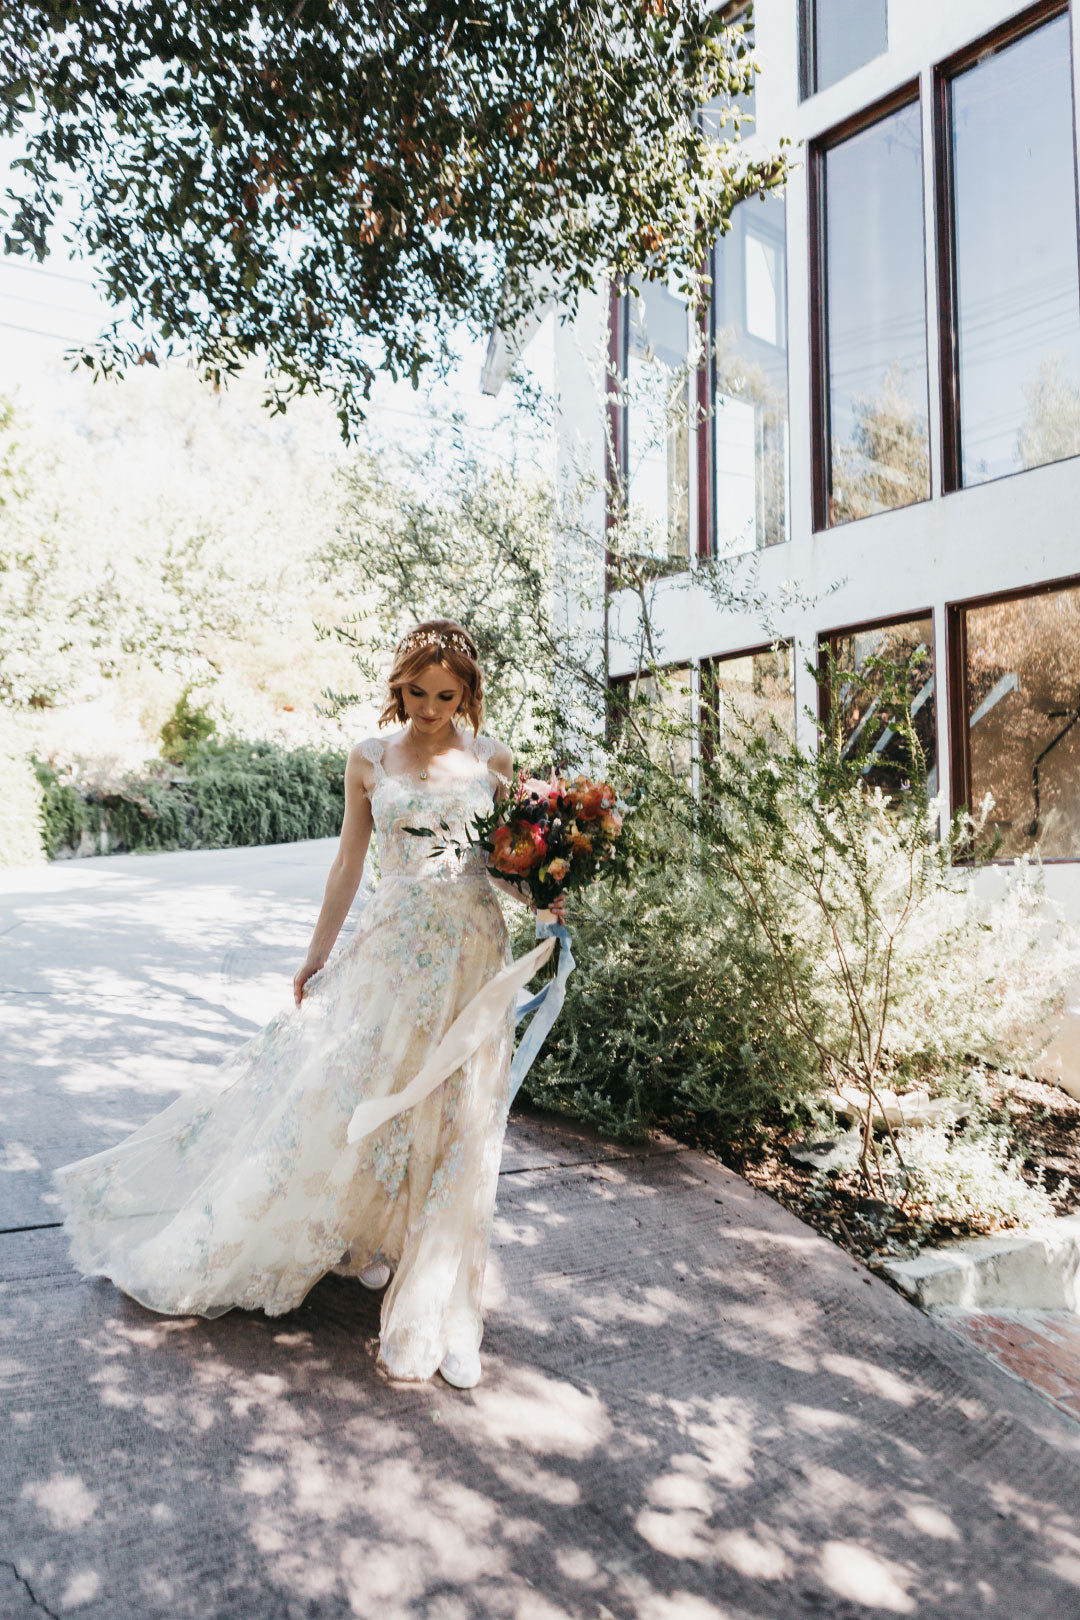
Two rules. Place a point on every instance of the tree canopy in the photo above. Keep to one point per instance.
(333, 187)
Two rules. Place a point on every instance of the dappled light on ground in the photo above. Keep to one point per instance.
(692, 1408)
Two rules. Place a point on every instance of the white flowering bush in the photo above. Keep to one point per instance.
(885, 958)
(972, 1180)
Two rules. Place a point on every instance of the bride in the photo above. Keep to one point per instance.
(309, 1154)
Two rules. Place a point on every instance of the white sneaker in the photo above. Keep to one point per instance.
(461, 1370)
(376, 1276)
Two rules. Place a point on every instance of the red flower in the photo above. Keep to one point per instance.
(518, 848)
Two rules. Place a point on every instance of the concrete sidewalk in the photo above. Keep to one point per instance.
(693, 1406)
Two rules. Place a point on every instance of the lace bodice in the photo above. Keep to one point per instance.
(398, 802)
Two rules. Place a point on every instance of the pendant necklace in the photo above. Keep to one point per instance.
(419, 761)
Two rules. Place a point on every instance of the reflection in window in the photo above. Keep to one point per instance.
(657, 423)
(838, 36)
(1014, 225)
(662, 715)
(878, 455)
(1021, 705)
(856, 700)
(754, 690)
(715, 115)
(750, 402)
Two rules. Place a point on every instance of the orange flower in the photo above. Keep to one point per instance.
(557, 869)
(611, 823)
(580, 843)
(518, 848)
(591, 799)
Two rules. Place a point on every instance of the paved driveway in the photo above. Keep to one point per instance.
(693, 1406)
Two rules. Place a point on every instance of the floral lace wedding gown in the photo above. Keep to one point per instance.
(247, 1191)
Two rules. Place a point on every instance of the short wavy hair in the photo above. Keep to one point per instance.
(436, 641)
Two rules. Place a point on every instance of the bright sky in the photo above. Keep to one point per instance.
(47, 308)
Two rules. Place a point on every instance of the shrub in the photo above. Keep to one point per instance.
(185, 729)
(973, 1179)
(669, 1014)
(231, 793)
(258, 793)
(21, 811)
(66, 813)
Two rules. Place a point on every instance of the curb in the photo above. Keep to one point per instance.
(1036, 1268)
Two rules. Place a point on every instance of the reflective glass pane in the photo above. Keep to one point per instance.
(750, 380)
(662, 715)
(712, 114)
(858, 696)
(1017, 297)
(1022, 704)
(845, 34)
(755, 690)
(876, 319)
(657, 423)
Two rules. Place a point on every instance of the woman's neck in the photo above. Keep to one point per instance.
(435, 743)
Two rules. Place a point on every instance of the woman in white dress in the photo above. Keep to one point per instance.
(301, 1160)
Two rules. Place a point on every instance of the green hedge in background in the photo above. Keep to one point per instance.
(228, 794)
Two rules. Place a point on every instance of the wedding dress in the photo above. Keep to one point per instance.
(247, 1191)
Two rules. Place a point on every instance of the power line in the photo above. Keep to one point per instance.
(10, 262)
(36, 331)
(45, 303)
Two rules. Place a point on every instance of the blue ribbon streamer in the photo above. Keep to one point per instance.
(544, 1007)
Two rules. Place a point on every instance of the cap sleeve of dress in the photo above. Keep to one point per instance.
(372, 750)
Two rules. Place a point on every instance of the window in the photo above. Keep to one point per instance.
(838, 36)
(712, 119)
(1010, 294)
(751, 689)
(1016, 720)
(904, 642)
(869, 338)
(655, 471)
(746, 432)
(663, 714)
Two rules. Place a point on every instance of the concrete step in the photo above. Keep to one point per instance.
(1035, 1268)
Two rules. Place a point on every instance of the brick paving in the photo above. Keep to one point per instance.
(1040, 1347)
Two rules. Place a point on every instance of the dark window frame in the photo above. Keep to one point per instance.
(1008, 33)
(904, 95)
(806, 24)
(956, 665)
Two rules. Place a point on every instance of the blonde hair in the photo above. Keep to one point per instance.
(436, 641)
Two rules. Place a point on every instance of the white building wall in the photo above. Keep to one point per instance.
(1009, 533)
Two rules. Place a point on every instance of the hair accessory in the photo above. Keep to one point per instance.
(435, 638)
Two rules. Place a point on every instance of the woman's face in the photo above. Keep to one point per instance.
(431, 698)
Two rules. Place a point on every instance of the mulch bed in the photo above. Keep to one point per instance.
(1043, 1119)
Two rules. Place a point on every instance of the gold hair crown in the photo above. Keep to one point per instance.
(435, 638)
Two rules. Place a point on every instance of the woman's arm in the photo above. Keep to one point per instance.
(345, 873)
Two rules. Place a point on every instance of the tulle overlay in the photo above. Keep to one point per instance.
(247, 1191)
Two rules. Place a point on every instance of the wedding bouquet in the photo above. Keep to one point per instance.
(553, 837)
(550, 837)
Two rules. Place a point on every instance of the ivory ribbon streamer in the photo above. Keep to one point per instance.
(471, 1026)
